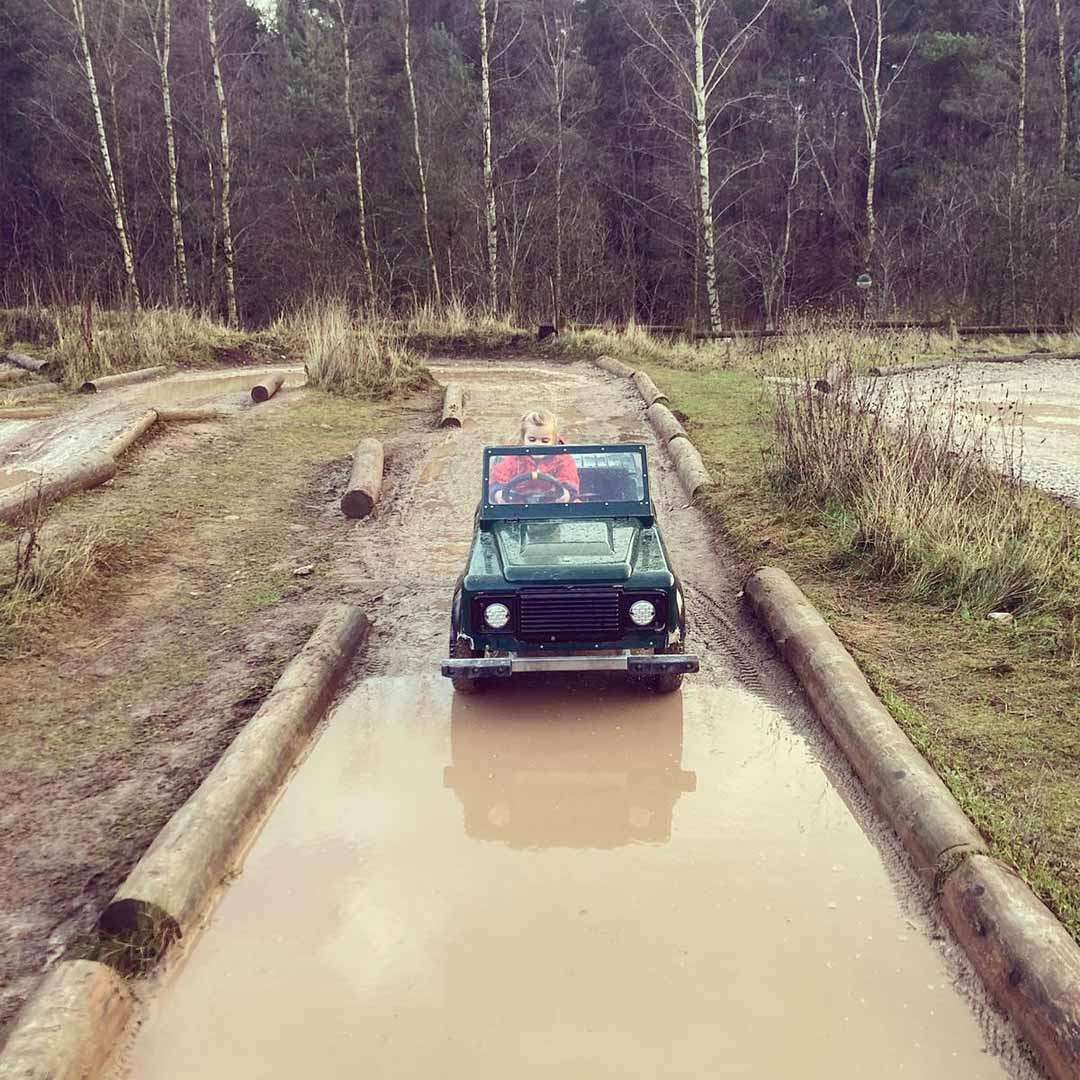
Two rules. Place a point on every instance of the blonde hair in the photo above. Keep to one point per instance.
(540, 418)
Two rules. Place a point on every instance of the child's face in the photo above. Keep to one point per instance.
(539, 436)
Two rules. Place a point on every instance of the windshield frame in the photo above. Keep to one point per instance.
(519, 511)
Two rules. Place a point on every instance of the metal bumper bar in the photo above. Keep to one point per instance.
(635, 663)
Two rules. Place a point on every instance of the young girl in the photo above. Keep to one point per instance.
(538, 428)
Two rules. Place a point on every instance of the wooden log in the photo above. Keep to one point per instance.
(10, 375)
(71, 1026)
(453, 406)
(690, 467)
(33, 363)
(616, 367)
(44, 488)
(177, 879)
(132, 433)
(32, 389)
(265, 390)
(123, 378)
(365, 482)
(666, 423)
(174, 416)
(649, 391)
(30, 412)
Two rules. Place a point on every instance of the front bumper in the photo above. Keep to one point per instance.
(486, 667)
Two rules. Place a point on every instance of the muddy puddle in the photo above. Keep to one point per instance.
(98, 418)
(1029, 413)
(562, 879)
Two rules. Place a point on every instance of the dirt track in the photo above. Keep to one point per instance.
(563, 878)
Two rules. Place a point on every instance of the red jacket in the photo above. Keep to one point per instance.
(560, 466)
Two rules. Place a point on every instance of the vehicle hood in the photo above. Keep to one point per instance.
(575, 549)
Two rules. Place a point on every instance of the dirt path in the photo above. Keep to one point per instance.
(562, 877)
(118, 704)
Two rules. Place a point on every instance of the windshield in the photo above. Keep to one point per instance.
(578, 477)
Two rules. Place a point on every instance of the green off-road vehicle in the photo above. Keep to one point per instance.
(567, 572)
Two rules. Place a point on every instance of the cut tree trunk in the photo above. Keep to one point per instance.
(266, 389)
(453, 406)
(123, 378)
(365, 482)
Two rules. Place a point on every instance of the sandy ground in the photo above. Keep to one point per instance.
(1030, 413)
(564, 878)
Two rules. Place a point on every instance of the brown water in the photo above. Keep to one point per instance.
(562, 879)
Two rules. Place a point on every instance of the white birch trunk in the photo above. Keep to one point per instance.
(1063, 93)
(701, 133)
(79, 10)
(226, 171)
(163, 50)
(406, 29)
(491, 220)
(354, 134)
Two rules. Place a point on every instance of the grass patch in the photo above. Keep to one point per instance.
(354, 354)
(455, 327)
(996, 710)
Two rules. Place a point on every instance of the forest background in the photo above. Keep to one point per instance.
(691, 162)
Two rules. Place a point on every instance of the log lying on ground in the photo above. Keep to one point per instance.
(649, 391)
(123, 378)
(32, 389)
(173, 883)
(10, 375)
(689, 466)
(132, 433)
(43, 488)
(30, 412)
(453, 406)
(1025, 956)
(265, 390)
(666, 422)
(172, 416)
(71, 1025)
(616, 367)
(32, 363)
(365, 481)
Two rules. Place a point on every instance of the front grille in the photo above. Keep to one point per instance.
(569, 615)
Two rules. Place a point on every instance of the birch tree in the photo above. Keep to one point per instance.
(557, 27)
(226, 168)
(425, 222)
(354, 135)
(159, 14)
(1063, 91)
(863, 68)
(680, 31)
(86, 63)
(491, 223)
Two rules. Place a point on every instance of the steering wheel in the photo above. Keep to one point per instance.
(554, 489)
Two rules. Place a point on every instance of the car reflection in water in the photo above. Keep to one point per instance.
(544, 764)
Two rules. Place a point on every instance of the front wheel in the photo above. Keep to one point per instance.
(669, 681)
(464, 684)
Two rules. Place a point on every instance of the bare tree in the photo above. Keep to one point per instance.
(159, 14)
(87, 65)
(491, 223)
(557, 27)
(1063, 91)
(226, 169)
(354, 134)
(702, 67)
(425, 221)
(863, 69)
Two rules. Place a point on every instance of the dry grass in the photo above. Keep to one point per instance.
(44, 571)
(456, 327)
(354, 354)
(913, 484)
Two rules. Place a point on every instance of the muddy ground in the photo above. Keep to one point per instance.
(711, 910)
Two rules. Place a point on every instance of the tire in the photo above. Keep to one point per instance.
(464, 684)
(670, 681)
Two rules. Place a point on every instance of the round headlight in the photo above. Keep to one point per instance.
(642, 613)
(496, 616)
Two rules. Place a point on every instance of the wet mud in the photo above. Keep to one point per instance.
(91, 425)
(1030, 413)
(564, 877)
